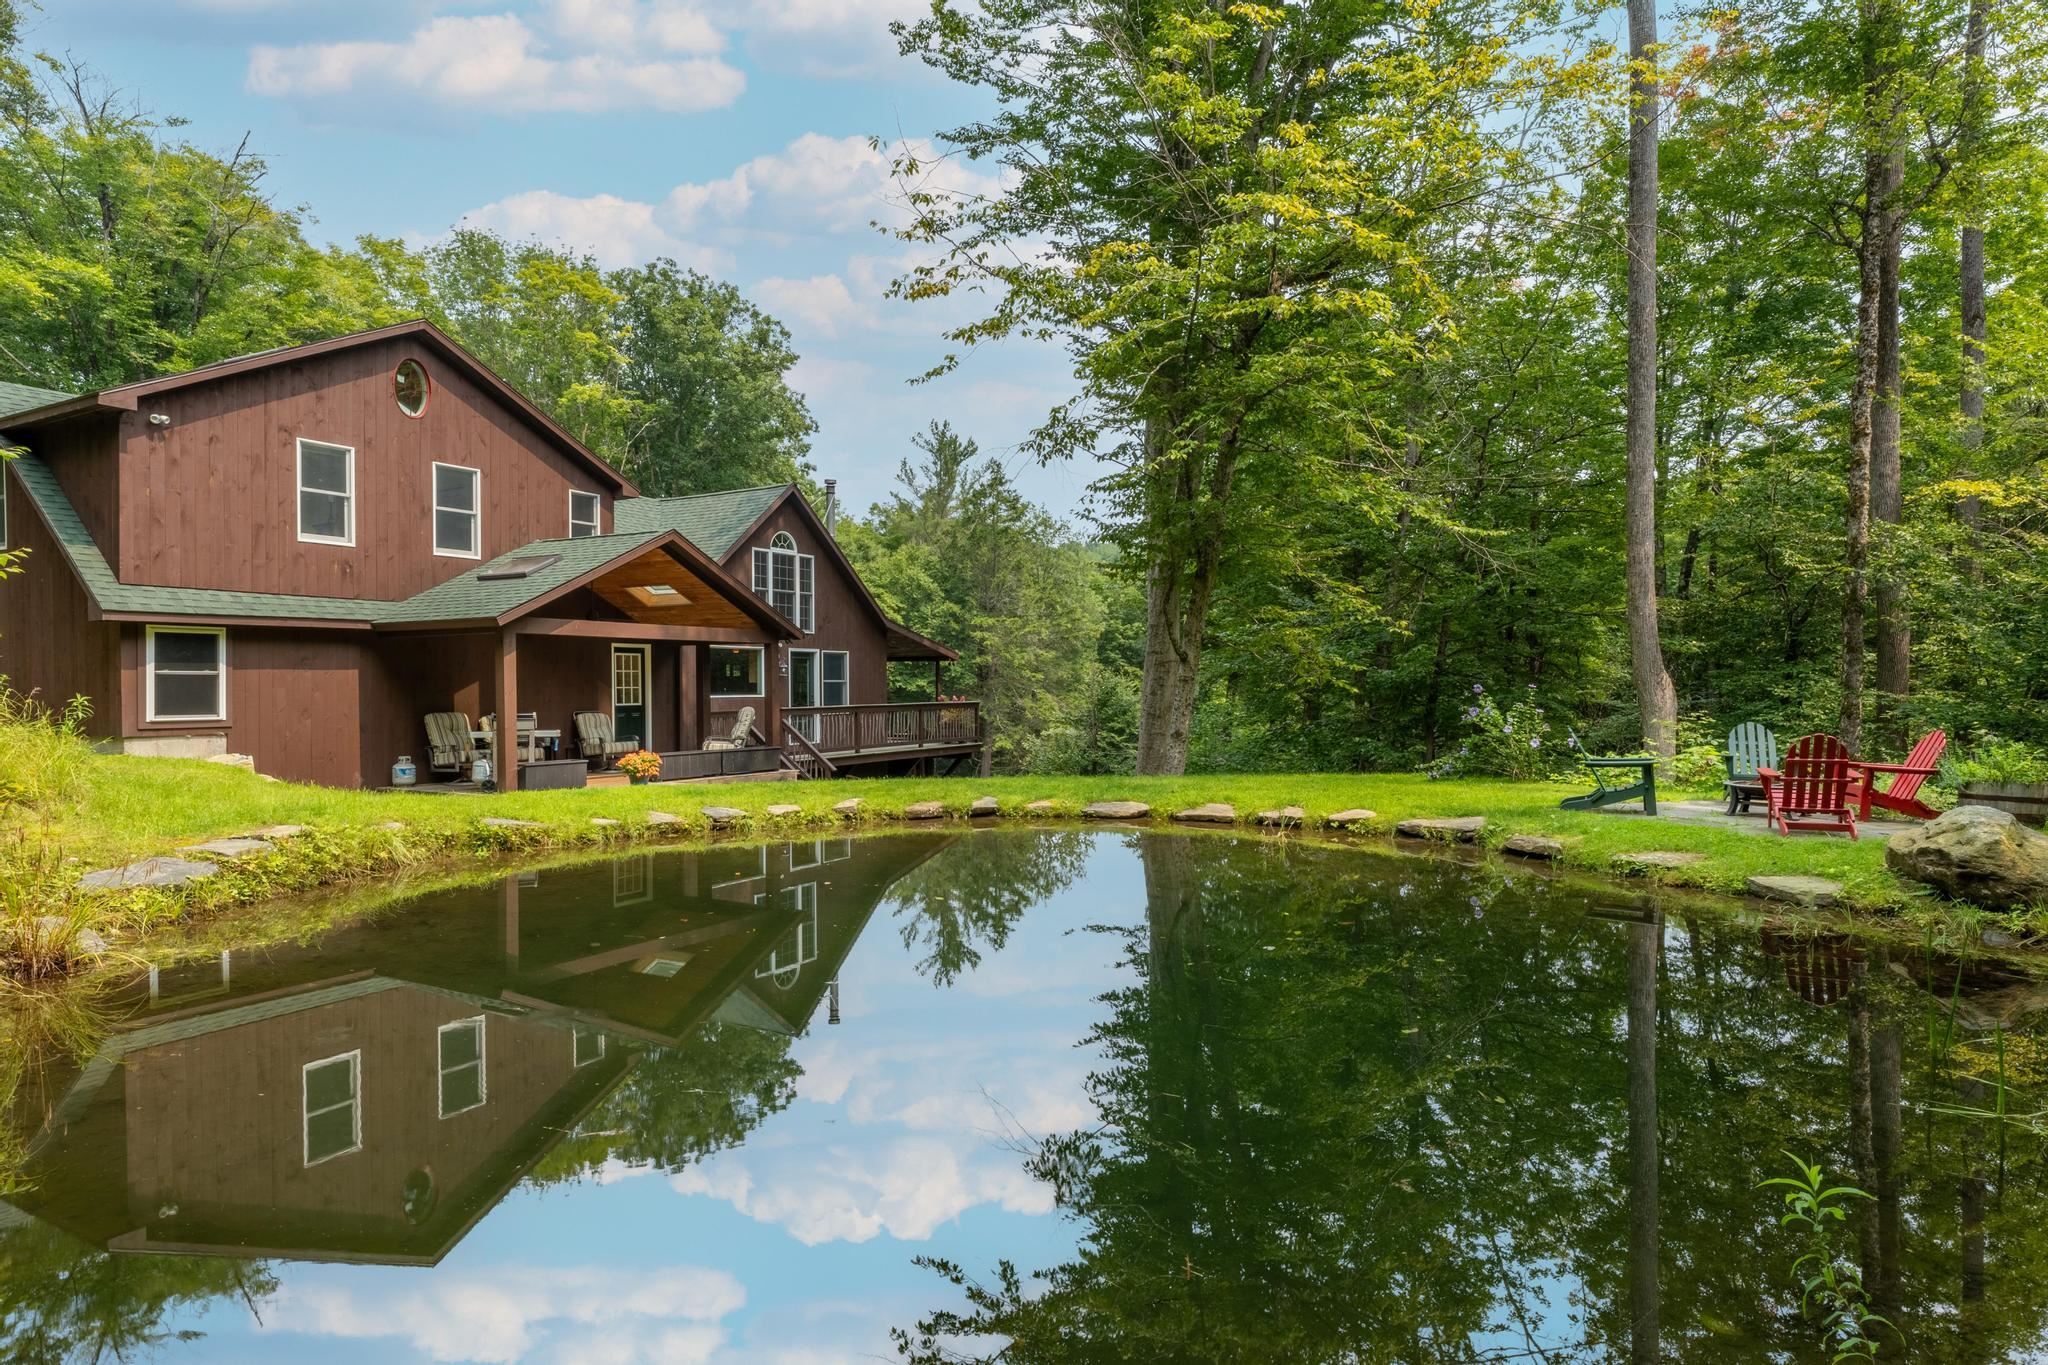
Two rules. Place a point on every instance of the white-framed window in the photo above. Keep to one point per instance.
(331, 1107)
(185, 673)
(458, 511)
(460, 1046)
(737, 671)
(584, 510)
(327, 493)
(633, 880)
(805, 856)
(586, 1045)
(834, 669)
(799, 944)
(759, 873)
(787, 581)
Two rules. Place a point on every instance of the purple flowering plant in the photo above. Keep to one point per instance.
(1513, 742)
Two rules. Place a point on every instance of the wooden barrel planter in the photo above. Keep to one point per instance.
(2026, 800)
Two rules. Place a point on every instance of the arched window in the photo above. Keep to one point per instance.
(787, 581)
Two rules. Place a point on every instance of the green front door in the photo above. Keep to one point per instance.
(629, 695)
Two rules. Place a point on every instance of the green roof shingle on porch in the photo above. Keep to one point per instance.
(474, 596)
(19, 398)
(713, 522)
(142, 599)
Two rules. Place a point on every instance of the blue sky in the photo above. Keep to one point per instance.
(730, 135)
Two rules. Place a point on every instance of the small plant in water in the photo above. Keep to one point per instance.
(1828, 1281)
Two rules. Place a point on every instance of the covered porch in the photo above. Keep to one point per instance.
(601, 638)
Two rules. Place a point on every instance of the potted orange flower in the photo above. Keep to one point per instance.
(640, 765)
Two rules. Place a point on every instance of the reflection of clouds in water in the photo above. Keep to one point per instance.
(990, 1087)
(518, 1313)
(906, 1187)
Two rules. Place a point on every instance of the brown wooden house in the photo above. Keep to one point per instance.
(300, 554)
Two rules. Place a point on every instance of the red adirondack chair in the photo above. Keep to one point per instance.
(1811, 790)
(1903, 795)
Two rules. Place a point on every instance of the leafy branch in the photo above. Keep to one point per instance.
(1828, 1280)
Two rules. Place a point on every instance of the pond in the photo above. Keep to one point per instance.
(1096, 1095)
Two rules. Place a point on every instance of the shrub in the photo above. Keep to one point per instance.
(1699, 765)
(1992, 759)
(1515, 743)
(44, 754)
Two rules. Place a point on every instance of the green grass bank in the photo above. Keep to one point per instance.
(122, 809)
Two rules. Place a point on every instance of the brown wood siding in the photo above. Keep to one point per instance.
(843, 619)
(47, 646)
(216, 1121)
(84, 456)
(211, 499)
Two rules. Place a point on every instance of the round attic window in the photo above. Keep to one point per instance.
(409, 383)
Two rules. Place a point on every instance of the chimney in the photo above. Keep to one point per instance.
(831, 503)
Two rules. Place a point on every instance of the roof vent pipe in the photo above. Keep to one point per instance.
(831, 503)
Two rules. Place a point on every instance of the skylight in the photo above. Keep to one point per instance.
(522, 567)
(658, 595)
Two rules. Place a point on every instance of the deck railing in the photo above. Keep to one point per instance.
(891, 725)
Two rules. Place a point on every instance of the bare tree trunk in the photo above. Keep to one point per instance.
(1887, 493)
(1187, 559)
(1655, 700)
(1645, 946)
(1976, 39)
(1862, 404)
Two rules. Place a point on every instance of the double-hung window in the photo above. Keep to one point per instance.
(327, 493)
(787, 581)
(832, 675)
(331, 1109)
(187, 670)
(461, 1046)
(583, 513)
(458, 515)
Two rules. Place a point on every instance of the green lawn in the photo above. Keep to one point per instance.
(134, 807)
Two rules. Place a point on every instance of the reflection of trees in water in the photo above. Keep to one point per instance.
(677, 1105)
(61, 1300)
(1343, 1117)
(965, 902)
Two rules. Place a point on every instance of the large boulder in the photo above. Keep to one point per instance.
(1975, 853)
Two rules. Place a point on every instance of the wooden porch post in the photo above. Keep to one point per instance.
(703, 694)
(505, 734)
(508, 900)
(776, 688)
(938, 679)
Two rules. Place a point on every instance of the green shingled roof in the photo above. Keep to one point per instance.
(472, 597)
(112, 595)
(16, 398)
(712, 522)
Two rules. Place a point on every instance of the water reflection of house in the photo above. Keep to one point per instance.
(370, 1097)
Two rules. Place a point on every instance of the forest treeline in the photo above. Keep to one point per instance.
(1344, 285)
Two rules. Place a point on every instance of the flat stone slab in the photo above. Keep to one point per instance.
(1045, 806)
(848, 808)
(785, 809)
(277, 832)
(1814, 892)
(925, 810)
(148, 872)
(1462, 829)
(1285, 817)
(1345, 819)
(602, 820)
(232, 848)
(982, 806)
(662, 817)
(1533, 846)
(1209, 813)
(722, 816)
(501, 822)
(1115, 810)
(1665, 858)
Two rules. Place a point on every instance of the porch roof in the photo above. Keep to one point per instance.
(526, 578)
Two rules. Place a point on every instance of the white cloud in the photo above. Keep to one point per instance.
(907, 1188)
(822, 303)
(668, 1314)
(616, 231)
(496, 62)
